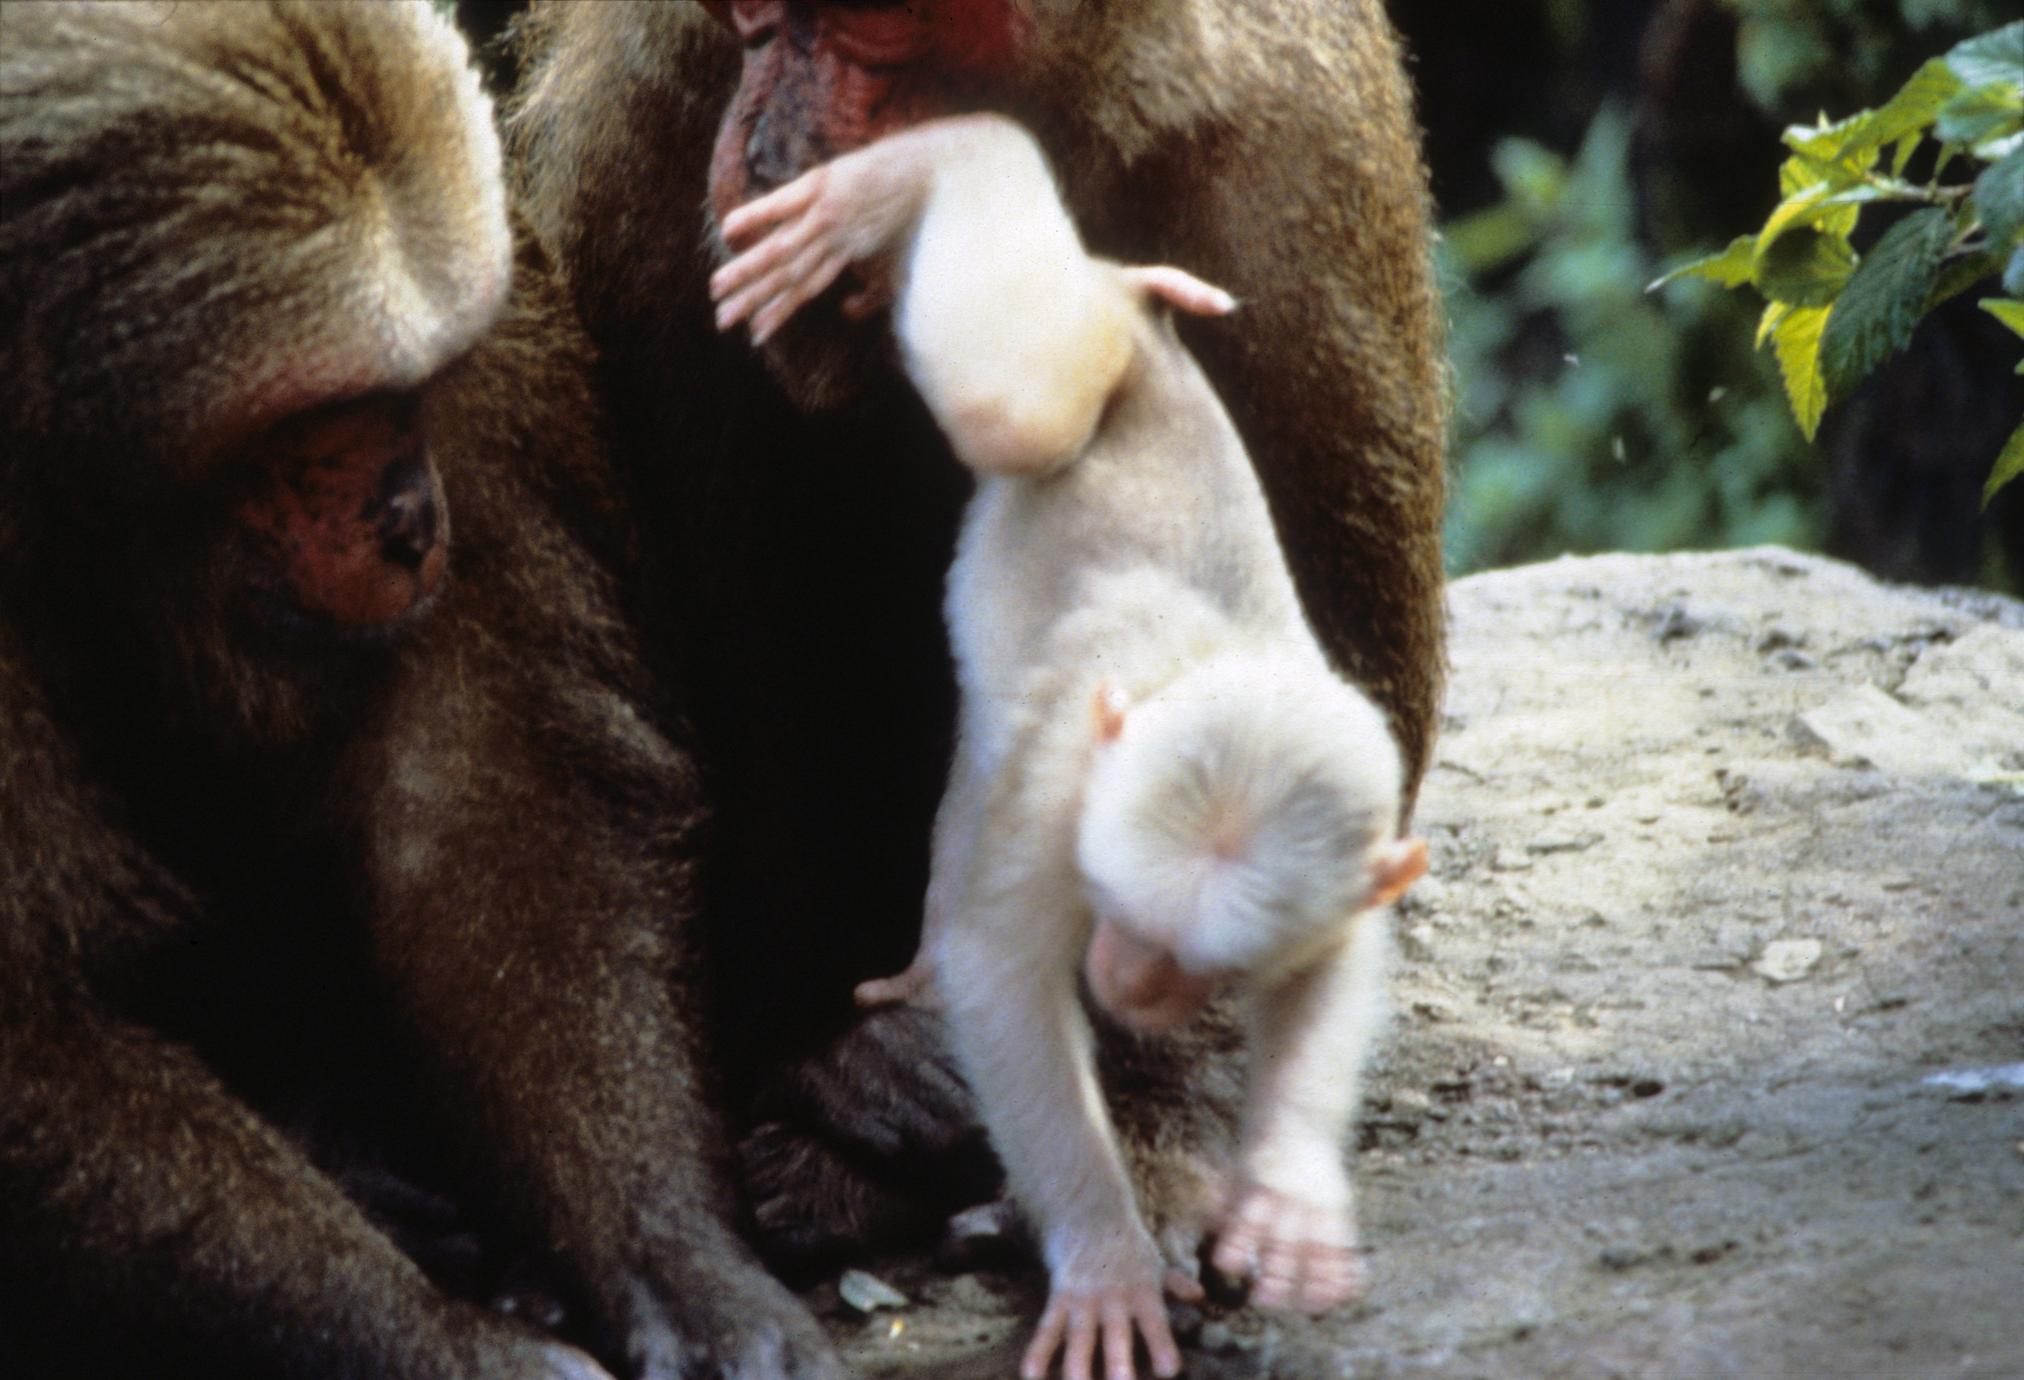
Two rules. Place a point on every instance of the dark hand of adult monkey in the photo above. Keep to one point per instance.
(306, 673)
(1268, 145)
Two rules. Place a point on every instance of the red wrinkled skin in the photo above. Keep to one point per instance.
(319, 506)
(822, 79)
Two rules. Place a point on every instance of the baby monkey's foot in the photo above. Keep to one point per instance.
(1298, 1254)
(916, 985)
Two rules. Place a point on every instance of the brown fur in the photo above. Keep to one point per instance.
(240, 852)
(1269, 147)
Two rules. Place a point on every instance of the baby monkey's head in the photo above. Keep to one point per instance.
(1233, 825)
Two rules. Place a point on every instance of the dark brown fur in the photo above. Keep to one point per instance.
(804, 505)
(240, 851)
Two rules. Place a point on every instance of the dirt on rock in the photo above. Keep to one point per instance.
(1709, 1048)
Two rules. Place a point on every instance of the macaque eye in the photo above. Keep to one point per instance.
(876, 38)
(756, 21)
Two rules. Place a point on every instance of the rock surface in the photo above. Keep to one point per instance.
(1705, 1016)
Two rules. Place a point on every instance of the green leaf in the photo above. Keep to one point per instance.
(1911, 110)
(2008, 310)
(1805, 268)
(1805, 168)
(1906, 147)
(2013, 273)
(1823, 141)
(1997, 56)
(1531, 173)
(1774, 312)
(2009, 465)
(1492, 237)
(1796, 339)
(1987, 112)
(1960, 274)
(1876, 312)
(1999, 200)
(1799, 211)
(1804, 185)
(1733, 267)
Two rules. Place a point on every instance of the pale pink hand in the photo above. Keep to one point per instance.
(1298, 1254)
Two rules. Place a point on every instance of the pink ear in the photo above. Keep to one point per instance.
(1404, 863)
(1108, 708)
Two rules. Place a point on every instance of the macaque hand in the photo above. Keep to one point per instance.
(1113, 1299)
(794, 241)
(1298, 1249)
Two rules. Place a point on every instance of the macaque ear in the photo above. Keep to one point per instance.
(1107, 710)
(1404, 863)
(1177, 288)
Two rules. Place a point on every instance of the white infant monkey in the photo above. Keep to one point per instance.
(1158, 780)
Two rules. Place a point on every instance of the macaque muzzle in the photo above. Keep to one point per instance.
(1141, 983)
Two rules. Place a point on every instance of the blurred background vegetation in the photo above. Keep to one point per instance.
(1580, 148)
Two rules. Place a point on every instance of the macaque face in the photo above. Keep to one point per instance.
(821, 79)
(1233, 826)
(1140, 981)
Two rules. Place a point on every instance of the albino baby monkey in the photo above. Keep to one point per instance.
(1159, 783)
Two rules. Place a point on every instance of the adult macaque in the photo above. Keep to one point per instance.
(1158, 779)
(321, 744)
(1267, 144)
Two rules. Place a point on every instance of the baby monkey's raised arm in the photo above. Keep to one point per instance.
(1014, 335)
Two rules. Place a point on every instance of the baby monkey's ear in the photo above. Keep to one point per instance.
(1107, 709)
(1397, 867)
(1166, 285)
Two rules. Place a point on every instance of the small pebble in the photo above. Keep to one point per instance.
(1787, 960)
(868, 1293)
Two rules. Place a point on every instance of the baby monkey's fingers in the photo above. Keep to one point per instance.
(763, 260)
(1075, 1325)
(809, 276)
(782, 203)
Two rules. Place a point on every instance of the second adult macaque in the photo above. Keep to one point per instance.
(1159, 783)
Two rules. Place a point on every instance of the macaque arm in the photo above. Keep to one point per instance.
(129, 1160)
(1015, 337)
(566, 1039)
(1008, 978)
(1290, 1219)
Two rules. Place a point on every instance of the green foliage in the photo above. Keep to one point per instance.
(1592, 416)
(1872, 314)
(1835, 314)
(1836, 52)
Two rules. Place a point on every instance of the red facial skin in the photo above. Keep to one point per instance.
(345, 513)
(1141, 983)
(822, 79)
